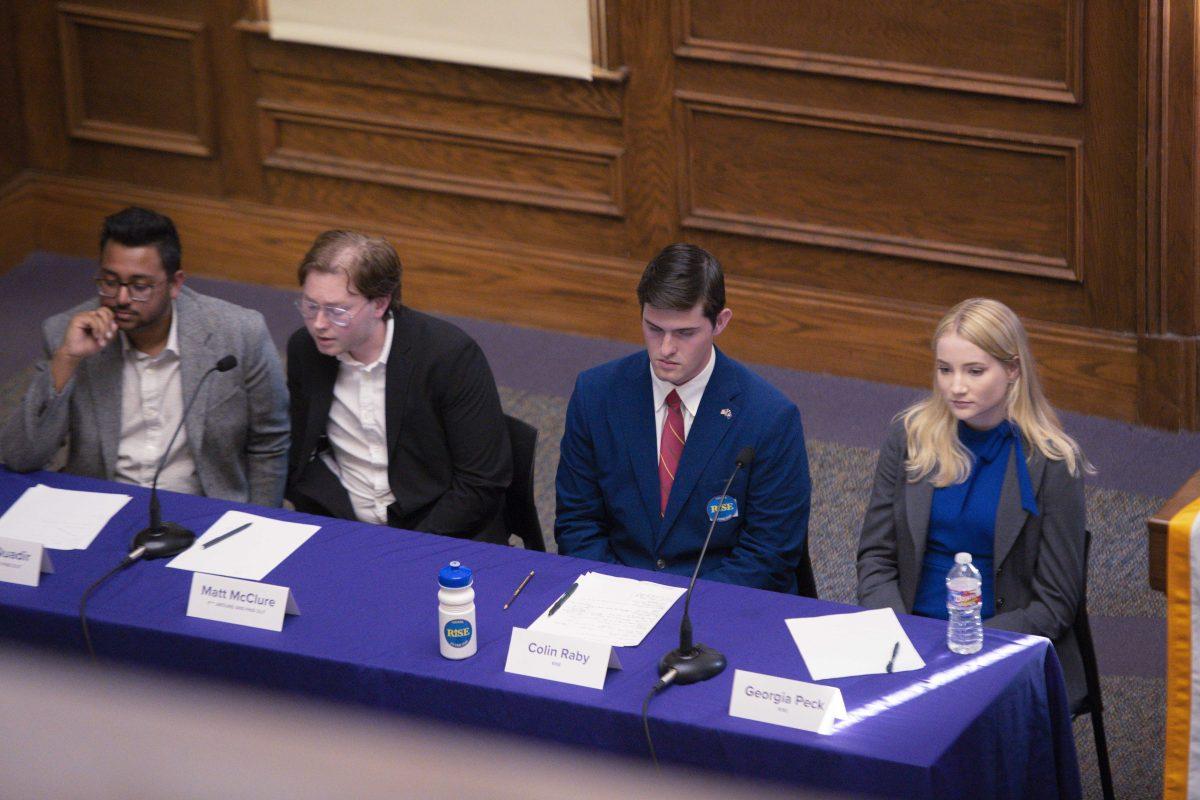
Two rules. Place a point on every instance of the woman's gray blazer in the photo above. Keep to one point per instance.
(1039, 560)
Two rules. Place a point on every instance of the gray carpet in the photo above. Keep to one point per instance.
(1138, 468)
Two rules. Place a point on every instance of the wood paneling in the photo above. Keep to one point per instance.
(1022, 48)
(996, 201)
(443, 158)
(857, 168)
(136, 79)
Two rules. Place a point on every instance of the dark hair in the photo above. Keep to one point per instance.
(369, 262)
(138, 227)
(681, 276)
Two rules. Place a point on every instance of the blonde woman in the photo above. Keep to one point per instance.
(983, 466)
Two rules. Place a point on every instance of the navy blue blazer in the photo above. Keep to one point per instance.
(607, 483)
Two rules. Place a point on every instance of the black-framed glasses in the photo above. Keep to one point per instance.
(139, 291)
(335, 314)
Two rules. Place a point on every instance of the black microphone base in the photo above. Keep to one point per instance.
(695, 665)
(168, 539)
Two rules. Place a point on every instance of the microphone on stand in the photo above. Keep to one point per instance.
(165, 539)
(692, 663)
(160, 539)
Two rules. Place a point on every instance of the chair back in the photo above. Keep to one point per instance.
(806, 581)
(520, 508)
(1092, 703)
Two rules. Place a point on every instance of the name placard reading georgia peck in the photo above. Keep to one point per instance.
(559, 658)
(223, 599)
(780, 701)
(23, 562)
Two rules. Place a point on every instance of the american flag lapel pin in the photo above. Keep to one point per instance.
(727, 413)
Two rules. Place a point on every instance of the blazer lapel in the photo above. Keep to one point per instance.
(918, 502)
(105, 379)
(1010, 515)
(708, 430)
(399, 372)
(195, 358)
(631, 411)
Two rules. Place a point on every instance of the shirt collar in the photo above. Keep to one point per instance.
(129, 351)
(349, 360)
(690, 393)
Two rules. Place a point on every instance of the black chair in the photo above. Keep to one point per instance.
(806, 582)
(1091, 703)
(520, 508)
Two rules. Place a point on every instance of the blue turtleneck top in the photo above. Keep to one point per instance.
(962, 517)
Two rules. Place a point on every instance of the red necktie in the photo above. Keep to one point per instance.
(670, 449)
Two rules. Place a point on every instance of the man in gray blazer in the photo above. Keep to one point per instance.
(118, 375)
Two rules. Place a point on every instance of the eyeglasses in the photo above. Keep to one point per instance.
(139, 291)
(335, 314)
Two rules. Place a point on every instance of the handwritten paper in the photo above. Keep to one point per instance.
(617, 611)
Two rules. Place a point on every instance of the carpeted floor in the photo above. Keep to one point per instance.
(844, 419)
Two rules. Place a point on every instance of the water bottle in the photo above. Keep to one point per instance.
(456, 612)
(964, 601)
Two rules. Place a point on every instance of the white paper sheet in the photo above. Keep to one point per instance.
(861, 643)
(250, 554)
(616, 611)
(61, 519)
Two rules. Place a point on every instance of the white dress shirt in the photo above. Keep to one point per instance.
(151, 409)
(357, 431)
(690, 395)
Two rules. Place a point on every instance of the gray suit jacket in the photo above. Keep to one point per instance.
(1038, 560)
(237, 429)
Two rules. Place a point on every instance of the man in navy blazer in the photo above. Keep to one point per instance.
(650, 440)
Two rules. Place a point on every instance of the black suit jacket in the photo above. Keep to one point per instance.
(449, 458)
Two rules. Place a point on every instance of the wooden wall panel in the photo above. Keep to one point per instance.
(896, 187)
(443, 158)
(106, 53)
(857, 167)
(1023, 48)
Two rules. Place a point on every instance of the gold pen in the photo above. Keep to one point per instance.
(518, 591)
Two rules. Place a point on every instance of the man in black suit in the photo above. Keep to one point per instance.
(395, 415)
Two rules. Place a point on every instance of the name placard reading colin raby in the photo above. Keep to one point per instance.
(565, 659)
(23, 562)
(780, 701)
(224, 599)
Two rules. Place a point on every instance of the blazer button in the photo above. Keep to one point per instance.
(999, 602)
(660, 564)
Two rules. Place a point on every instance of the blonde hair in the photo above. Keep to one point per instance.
(932, 431)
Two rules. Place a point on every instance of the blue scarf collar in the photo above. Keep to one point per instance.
(989, 445)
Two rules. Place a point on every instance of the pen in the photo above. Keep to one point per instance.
(518, 591)
(892, 661)
(225, 536)
(558, 603)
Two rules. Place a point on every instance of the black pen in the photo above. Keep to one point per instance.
(558, 603)
(518, 591)
(892, 661)
(225, 536)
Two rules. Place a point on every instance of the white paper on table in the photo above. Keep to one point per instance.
(616, 611)
(61, 519)
(249, 554)
(860, 643)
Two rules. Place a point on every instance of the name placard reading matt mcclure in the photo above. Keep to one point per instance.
(223, 599)
(23, 562)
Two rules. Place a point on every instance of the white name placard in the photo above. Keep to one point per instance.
(23, 562)
(223, 599)
(565, 659)
(779, 701)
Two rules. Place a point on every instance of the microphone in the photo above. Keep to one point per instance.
(692, 663)
(165, 539)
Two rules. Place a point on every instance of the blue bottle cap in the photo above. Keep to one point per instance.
(455, 576)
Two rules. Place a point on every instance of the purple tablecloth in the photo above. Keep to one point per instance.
(991, 725)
